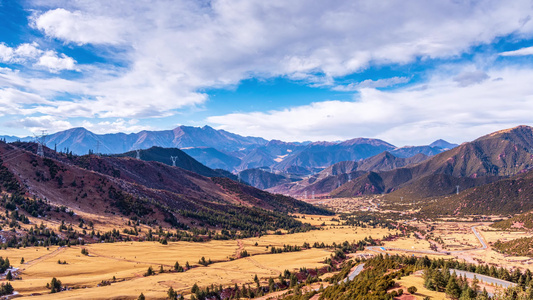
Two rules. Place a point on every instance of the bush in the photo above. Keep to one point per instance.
(412, 290)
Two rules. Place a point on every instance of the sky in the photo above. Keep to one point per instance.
(407, 72)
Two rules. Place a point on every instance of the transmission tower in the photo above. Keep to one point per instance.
(313, 194)
(457, 187)
(173, 158)
(305, 195)
(138, 156)
(40, 142)
(97, 148)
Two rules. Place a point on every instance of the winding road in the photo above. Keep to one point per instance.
(479, 237)
(484, 278)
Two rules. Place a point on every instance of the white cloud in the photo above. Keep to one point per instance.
(117, 125)
(13, 101)
(37, 124)
(407, 116)
(173, 49)
(519, 52)
(21, 54)
(369, 83)
(170, 50)
(78, 27)
(25, 53)
(6, 53)
(56, 63)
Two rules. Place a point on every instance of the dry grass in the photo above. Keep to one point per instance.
(128, 261)
(409, 243)
(329, 236)
(417, 281)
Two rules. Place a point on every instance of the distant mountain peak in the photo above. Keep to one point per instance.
(440, 143)
(373, 142)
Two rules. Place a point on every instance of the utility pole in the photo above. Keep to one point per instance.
(173, 158)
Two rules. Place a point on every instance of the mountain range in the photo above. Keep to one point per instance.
(492, 173)
(488, 158)
(219, 149)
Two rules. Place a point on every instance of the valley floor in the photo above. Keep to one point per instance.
(116, 270)
(127, 262)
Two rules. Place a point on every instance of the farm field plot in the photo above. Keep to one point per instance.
(492, 235)
(456, 235)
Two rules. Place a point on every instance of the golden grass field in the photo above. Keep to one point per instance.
(417, 281)
(128, 261)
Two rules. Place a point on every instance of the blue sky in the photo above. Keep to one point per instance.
(408, 72)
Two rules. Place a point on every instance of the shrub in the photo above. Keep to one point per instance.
(412, 290)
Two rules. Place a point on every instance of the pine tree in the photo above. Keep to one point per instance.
(141, 297)
(172, 295)
(149, 272)
(452, 288)
(55, 286)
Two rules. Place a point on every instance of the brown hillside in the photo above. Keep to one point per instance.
(341, 173)
(503, 153)
(150, 191)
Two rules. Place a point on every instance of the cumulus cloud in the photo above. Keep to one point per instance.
(519, 52)
(37, 124)
(175, 49)
(407, 116)
(21, 54)
(170, 51)
(78, 27)
(56, 63)
(24, 53)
